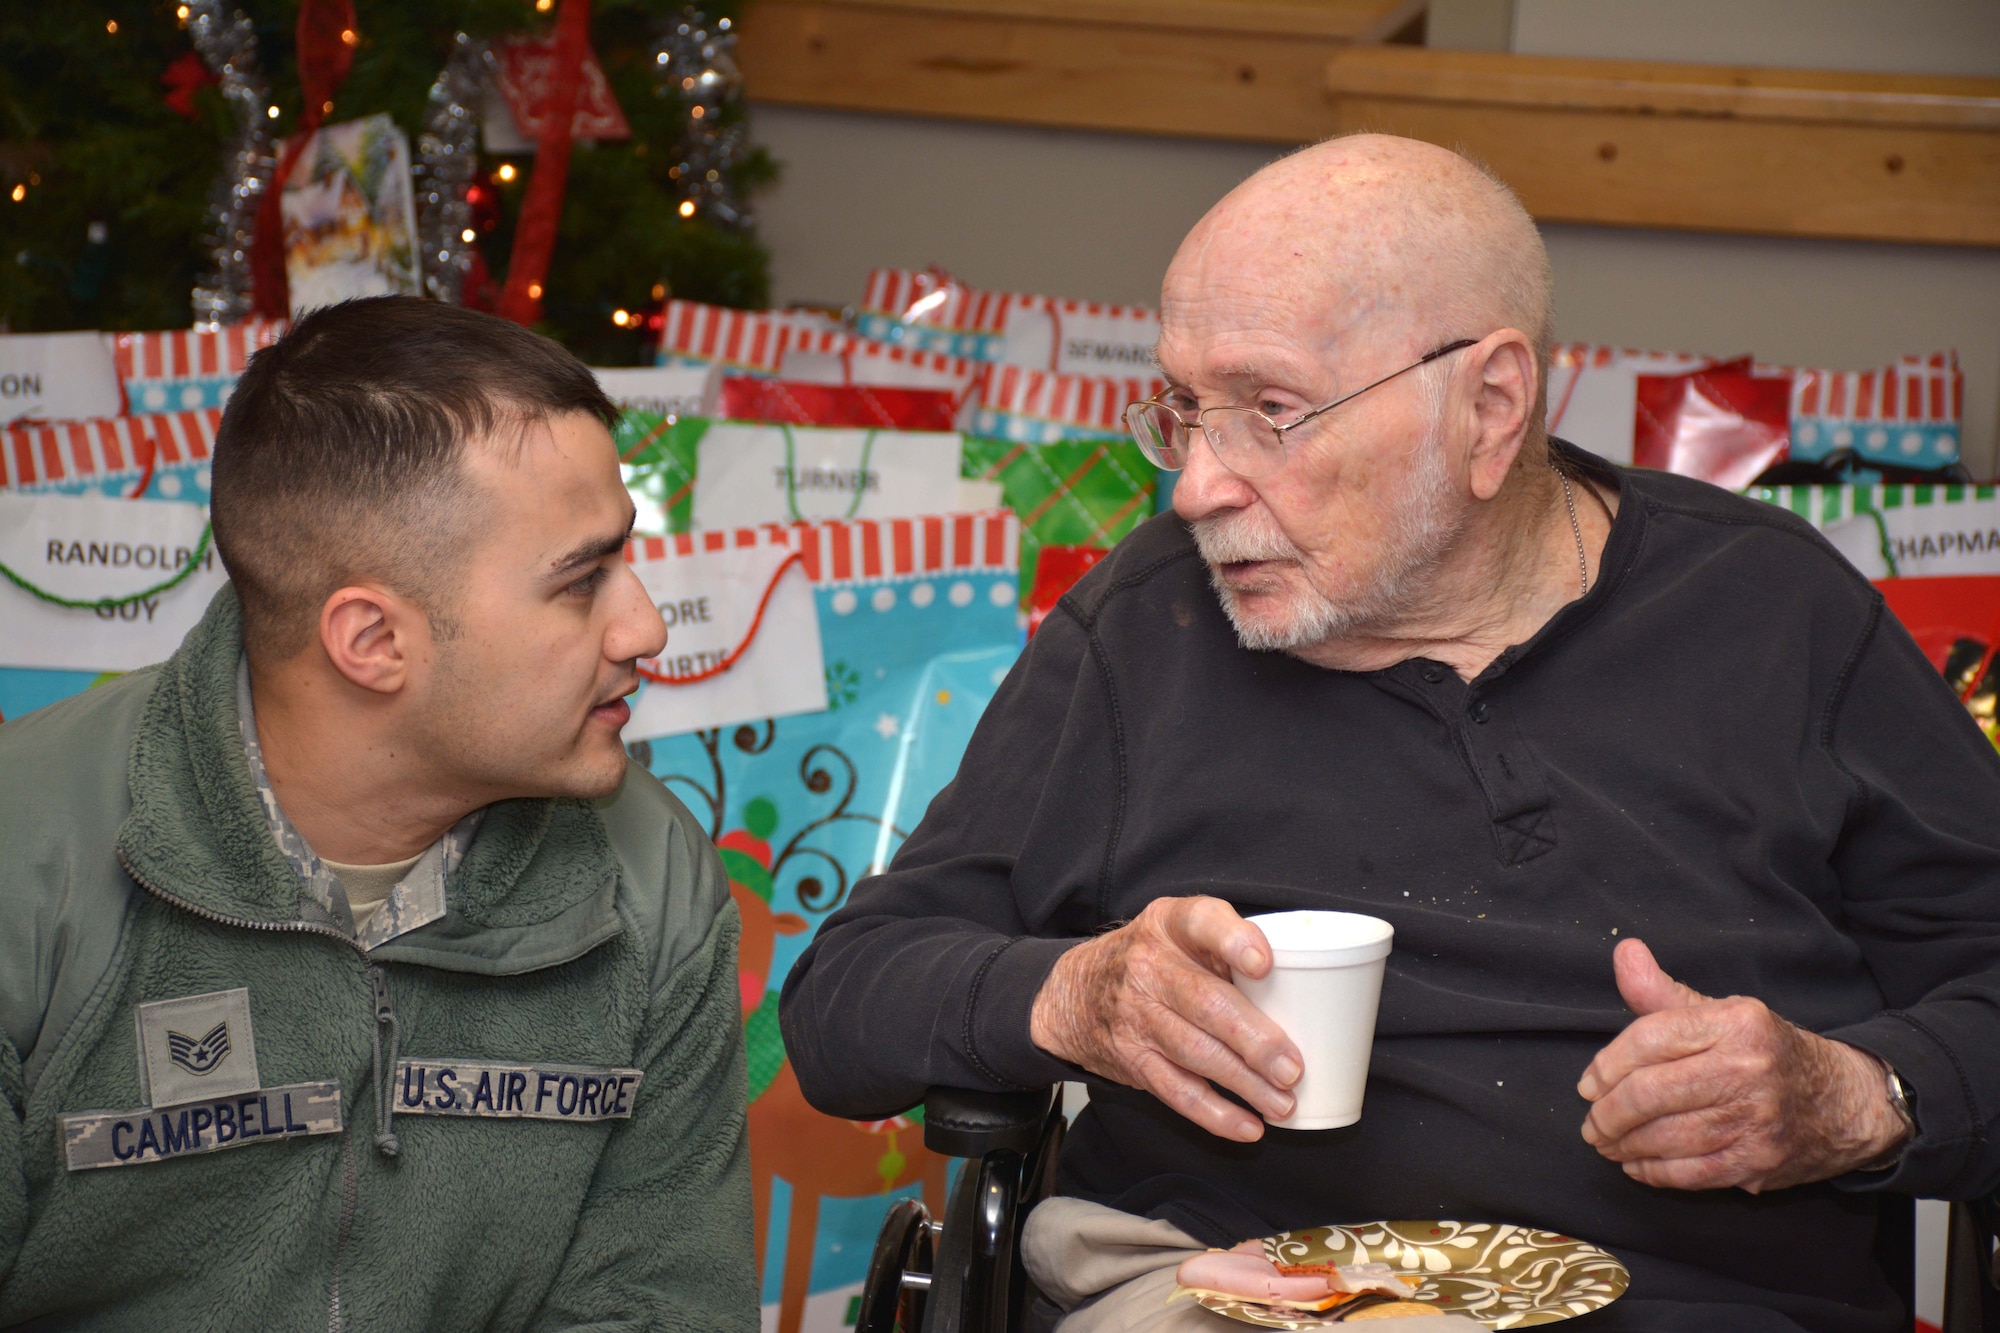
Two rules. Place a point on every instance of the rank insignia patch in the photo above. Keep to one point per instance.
(199, 1057)
(197, 1048)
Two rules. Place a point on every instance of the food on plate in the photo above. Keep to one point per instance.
(1390, 1310)
(1245, 1274)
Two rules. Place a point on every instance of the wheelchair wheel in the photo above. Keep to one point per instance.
(889, 1304)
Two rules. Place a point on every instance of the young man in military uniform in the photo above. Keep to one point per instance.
(350, 974)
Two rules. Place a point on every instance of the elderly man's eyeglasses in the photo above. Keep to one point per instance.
(1245, 441)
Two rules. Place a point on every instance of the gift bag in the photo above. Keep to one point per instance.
(105, 561)
(1848, 425)
(187, 369)
(802, 403)
(47, 376)
(1903, 531)
(1058, 448)
(932, 311)
(1723, 423)
(738, 340)
(917, 628)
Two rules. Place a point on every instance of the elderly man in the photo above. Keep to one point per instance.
(1402, 654)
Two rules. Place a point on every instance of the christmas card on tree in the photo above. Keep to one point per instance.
(350, 218)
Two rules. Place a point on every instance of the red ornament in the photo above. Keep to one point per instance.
(184, 78)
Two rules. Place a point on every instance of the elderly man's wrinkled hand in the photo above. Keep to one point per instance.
(1150, 1005)
(1705, 1094)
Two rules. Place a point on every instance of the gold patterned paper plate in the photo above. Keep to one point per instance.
(1504, 1276)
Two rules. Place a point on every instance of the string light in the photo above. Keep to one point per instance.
(621, 317)
(350, 36)
(182, 14)
(111, 26)
(534, 291)
(468, 236)
(687, 208)
(544, 6)
(20, 193)
(271, 111)
(326, 108)
(659, 291)
(506, 171)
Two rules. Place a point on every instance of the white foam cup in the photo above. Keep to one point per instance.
(1323, 988)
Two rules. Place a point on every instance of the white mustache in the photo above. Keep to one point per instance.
(1235, 538)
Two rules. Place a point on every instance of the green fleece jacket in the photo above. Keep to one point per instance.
(136, 866)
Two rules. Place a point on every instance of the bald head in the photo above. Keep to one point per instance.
(1373, 238)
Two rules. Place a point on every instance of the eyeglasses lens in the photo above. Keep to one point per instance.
(1161, 435)
(1243, 440)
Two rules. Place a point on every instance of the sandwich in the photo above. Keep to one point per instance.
(1339, 1292)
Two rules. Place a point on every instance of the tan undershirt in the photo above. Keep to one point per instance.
(368, 887)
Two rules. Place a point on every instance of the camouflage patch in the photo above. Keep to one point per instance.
(94, 1139)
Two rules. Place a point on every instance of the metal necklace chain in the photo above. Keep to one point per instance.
(1576, 529)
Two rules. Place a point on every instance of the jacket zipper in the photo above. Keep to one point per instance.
(385, 1140)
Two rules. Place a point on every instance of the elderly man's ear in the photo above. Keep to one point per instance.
(1503, 404)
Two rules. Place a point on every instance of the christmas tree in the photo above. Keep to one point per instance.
(114, 132)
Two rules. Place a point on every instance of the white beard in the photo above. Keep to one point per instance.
(1426, 527)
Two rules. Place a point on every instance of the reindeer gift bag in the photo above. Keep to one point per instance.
(820, 682)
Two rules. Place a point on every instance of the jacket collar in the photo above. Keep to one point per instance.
(536, 887)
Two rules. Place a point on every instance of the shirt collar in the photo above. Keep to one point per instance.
(418, 898)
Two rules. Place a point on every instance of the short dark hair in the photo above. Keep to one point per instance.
(340, 455)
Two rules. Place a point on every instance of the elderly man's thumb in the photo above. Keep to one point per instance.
(1647, 989)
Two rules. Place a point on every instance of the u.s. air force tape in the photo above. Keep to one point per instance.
(129, 1138)
(513, 1091)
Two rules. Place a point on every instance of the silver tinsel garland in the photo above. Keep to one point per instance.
(694, 61)
(228, 46)
(447, 158)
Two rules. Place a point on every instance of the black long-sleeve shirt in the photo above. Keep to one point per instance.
(1728, 748)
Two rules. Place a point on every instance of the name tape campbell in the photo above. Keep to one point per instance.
(129, 1138)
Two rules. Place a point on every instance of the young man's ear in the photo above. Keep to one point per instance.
(372, 637)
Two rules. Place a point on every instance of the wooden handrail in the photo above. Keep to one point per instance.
(1648, 88)
(1345, 19)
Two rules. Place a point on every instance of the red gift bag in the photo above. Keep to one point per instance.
(1722, 423)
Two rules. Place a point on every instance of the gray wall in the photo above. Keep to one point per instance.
(1083, 214)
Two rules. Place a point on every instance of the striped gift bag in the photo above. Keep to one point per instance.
(161, 457)
(187, 369)
(1902, 531)
(917, 627)
(931, 310)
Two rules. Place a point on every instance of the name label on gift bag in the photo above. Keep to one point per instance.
(90, 549)
(750, 474)
(57, 375)
(93, 1139)
(742, 636)
(515, 1091)
(663, 391)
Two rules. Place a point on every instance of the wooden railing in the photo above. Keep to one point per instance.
(1784, 152)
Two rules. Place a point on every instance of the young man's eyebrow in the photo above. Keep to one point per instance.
(590, 552)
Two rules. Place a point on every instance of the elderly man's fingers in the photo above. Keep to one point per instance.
(1737, 1128)
(1673, 1034)
(1198, 1050)
(1712, 1172)
(1210, 931)
(1645, 985)
(1738, 1081)
(1189, 1096)
(1220, 1010)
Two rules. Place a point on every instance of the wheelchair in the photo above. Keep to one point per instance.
(962, 1273)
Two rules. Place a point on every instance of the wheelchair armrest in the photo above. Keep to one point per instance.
(961, 1123)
